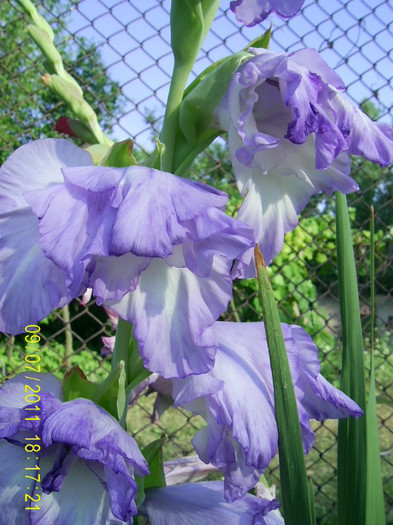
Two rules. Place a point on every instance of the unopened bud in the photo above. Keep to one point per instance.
(75, 128)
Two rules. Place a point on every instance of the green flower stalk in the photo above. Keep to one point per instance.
(190, 23)
(60, 81)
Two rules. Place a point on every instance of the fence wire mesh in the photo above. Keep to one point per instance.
(119, 52)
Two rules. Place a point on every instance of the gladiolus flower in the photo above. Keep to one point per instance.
(290, 132)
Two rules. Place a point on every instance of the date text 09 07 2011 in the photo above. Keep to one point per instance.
(32, 390)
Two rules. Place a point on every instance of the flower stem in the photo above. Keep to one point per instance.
(65, 313)
(169, 128)
(123, 336)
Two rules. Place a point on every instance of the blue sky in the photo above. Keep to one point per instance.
(354, 37)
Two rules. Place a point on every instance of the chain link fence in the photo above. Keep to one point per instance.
(119, 52)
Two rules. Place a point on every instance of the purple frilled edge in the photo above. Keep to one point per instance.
(251, 12)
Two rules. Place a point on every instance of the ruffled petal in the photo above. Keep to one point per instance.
(95, 436)
(14, 409)
(319, 399)
(172, 311)
(150, 206)
(252, 12)
(196, 503)
(371, 140)
(34, 166)
(73, 224)
(87, 462)
(274, 200)
(213, 233)
(230, 424)
(31, 286)
(112, 277)
(82, 499)
(13, 486)
(12, 393)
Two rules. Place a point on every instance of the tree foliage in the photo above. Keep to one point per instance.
(28, 110)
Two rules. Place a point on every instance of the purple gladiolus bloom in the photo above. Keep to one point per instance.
(291, 131)
(155, 248)
(197, 503)
(86, 461)
(251, 12)
(236, 399)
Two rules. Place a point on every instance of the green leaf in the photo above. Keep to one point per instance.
(295, 490)
(76, 384)
(352, 438)
(154, 457)
(375, 508)
(136, 370)
(110, 394)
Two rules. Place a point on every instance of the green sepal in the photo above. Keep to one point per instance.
(71, 96)
(97, 152)
(136, 370)
(120, 155)
(154, 457)
(156, 479)
(45, 42)
(53, 61)
(205, 94)
(81, 131)
(197, 129)
(156, 158)
(261, 42)
(200, 101)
